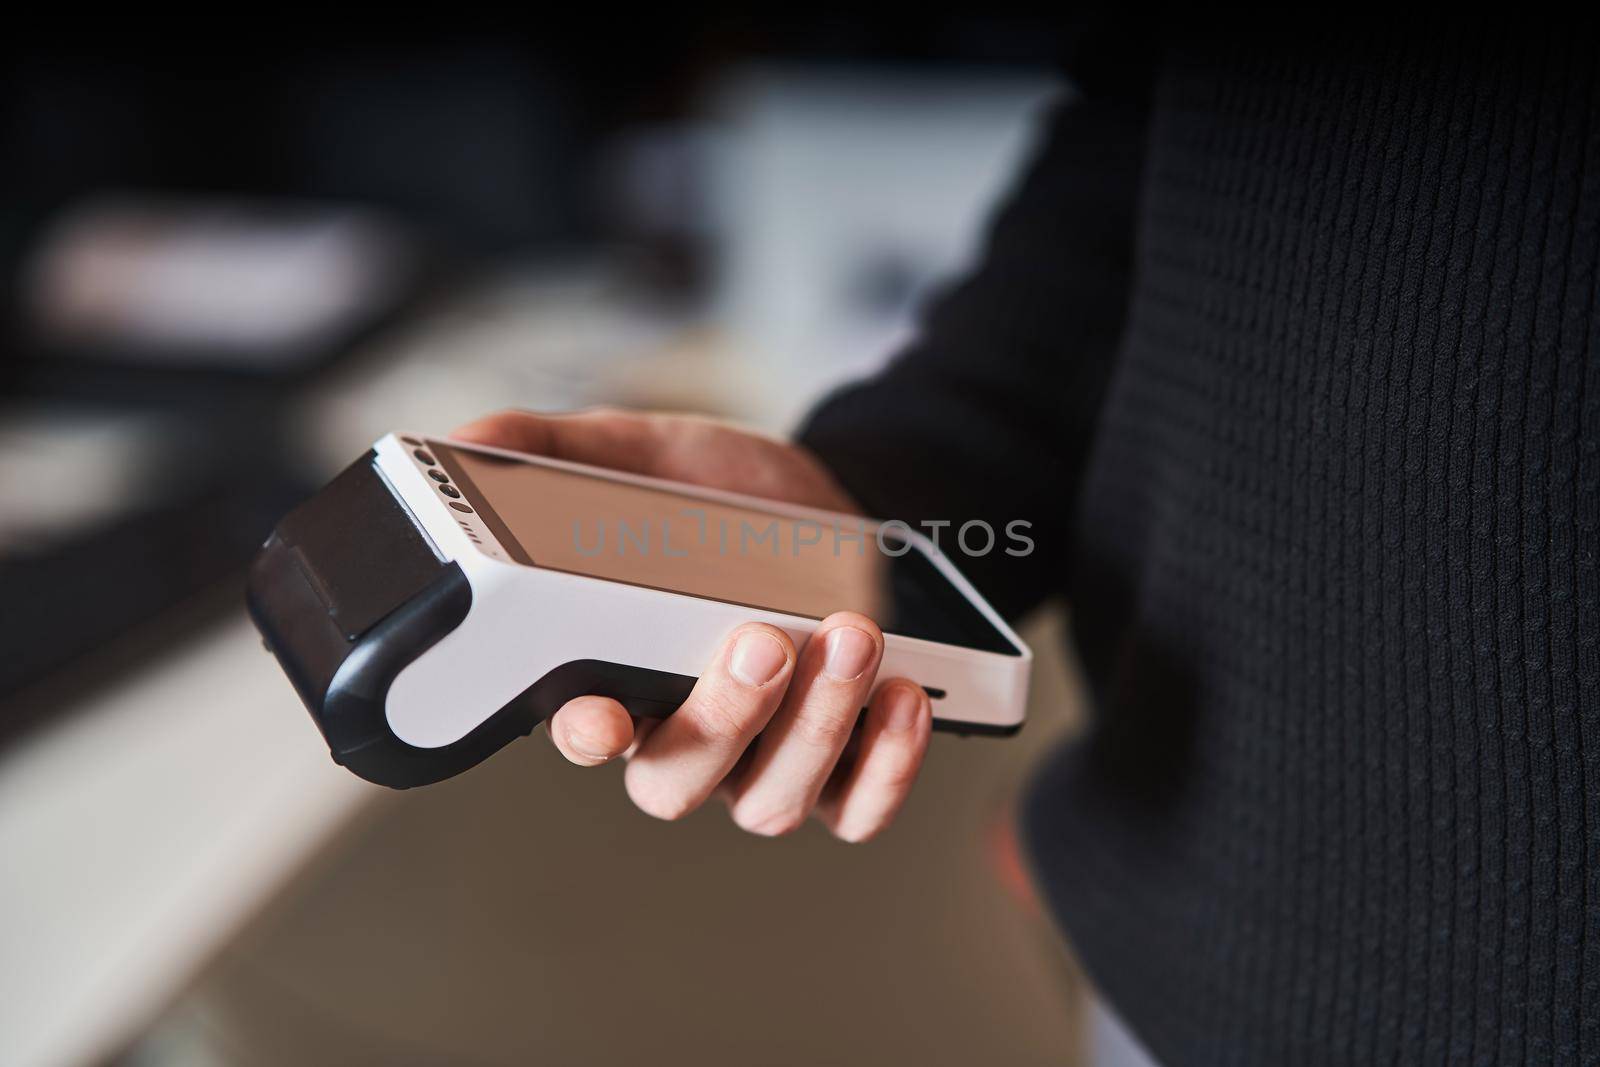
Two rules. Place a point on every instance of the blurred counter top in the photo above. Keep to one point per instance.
(139, 832)
(142, 827)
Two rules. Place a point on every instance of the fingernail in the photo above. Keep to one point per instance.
(850, 652)
(903, 710)
(586, 746)
(757, 658)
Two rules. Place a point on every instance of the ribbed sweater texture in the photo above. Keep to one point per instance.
(1291, 352)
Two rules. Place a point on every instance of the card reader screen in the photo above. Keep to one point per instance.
(553, 517)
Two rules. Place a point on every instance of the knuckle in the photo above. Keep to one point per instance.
(824, 726)
(720, 717)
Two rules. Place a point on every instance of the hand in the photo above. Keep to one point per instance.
(770, 728)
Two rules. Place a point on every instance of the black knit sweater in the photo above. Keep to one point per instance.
(1291, 352)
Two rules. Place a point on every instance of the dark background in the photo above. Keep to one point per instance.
(691, 208)
(481, 140)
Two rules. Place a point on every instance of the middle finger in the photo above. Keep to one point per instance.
(802, 743)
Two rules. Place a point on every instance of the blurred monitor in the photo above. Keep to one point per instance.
(841, 199)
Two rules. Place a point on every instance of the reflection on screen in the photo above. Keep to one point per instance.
(571, 521)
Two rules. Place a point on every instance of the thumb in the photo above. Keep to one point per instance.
(591, 730)
(621, 440)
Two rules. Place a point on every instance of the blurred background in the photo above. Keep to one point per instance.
(227, 267)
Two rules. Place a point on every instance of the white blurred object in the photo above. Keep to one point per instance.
(547, 338)
(64, 470)
(842, 199)
(141, 831)
(238, 283)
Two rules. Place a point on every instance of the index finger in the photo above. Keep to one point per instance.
(690, 752)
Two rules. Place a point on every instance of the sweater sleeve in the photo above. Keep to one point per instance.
(989, 414)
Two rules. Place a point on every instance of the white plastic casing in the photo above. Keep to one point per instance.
(525, 621)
